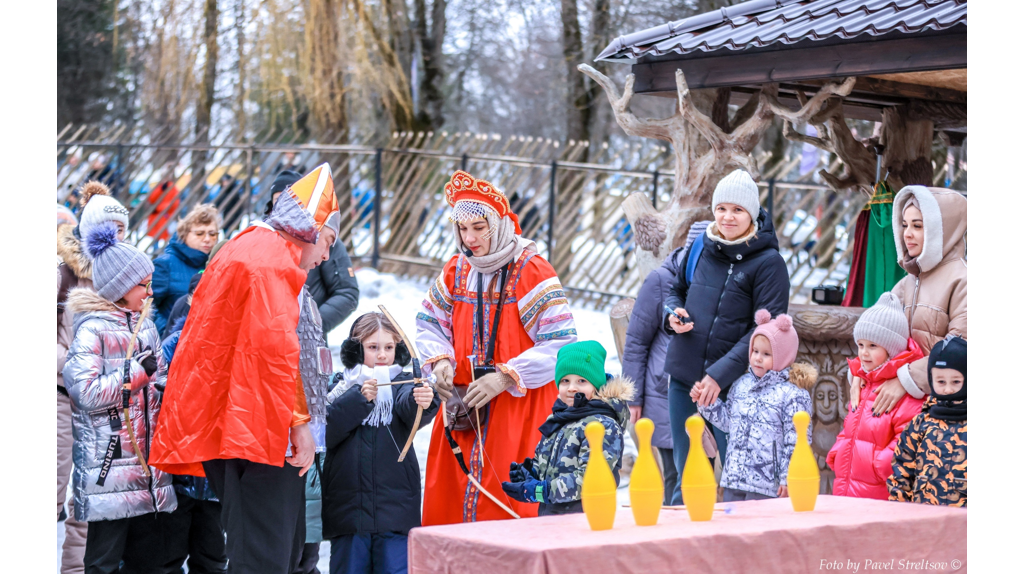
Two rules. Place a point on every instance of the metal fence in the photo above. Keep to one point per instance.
(393, 194)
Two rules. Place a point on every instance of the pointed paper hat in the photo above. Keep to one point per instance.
(464, 187)
(315, 192)
(307, 206)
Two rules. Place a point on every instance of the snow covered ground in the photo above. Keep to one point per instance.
(402, 298)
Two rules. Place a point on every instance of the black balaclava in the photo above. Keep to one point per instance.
(949, 353)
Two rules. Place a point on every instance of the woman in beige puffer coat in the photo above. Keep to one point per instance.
(934, 292)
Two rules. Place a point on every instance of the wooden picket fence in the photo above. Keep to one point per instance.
(397, 216)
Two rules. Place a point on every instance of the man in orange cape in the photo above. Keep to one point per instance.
(235, 406)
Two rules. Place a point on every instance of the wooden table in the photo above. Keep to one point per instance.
(754, 536)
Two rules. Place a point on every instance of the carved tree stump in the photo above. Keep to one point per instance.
(619, 316)
(706, 145)
(826, 341)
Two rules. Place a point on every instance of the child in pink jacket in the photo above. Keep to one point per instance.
(862, 454)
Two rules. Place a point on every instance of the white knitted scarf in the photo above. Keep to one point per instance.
(384, 402)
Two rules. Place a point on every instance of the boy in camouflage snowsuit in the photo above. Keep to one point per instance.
(554, 477)
(930, 462)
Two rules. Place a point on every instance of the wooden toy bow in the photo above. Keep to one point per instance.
(417, 377)
(126, 390)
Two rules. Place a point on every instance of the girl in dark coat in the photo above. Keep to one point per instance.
(739, 271)
(371, 501)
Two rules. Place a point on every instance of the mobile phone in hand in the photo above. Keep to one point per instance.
(683, 320)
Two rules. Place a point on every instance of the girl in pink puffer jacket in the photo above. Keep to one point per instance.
(863, 452)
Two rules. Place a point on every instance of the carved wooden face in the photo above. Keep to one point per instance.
(827, 400)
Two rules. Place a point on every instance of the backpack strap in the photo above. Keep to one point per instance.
(696, 245)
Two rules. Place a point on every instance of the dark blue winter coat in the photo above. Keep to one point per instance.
(365, 489)
(172, 272)
(643, 357)
(729, 284)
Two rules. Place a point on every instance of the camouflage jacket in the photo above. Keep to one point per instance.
(930, 462)
(561, 457)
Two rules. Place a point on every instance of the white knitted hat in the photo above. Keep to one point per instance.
(885, 325)
(99, 207)
(739, 188)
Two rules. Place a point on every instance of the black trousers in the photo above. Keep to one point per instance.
(138, 541)
(670, 474)
(195, 532)
(263, 513)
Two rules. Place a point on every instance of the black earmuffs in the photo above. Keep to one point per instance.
(352, 352)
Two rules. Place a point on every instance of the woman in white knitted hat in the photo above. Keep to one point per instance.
(730, 272)
(503, 365)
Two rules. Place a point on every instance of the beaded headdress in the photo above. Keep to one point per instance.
(473, 198)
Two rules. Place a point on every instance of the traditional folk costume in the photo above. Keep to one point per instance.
(535, 324)
(238, 383)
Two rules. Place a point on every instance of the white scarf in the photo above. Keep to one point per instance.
(384, 402)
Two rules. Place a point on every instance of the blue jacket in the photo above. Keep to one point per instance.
(730, 283)
(172, 272)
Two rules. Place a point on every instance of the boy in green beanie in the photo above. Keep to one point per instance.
(554, 477)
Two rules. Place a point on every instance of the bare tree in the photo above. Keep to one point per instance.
(431, 104)
(204, 107)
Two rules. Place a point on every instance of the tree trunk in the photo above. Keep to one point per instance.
(578, 108)
(908, 148)
(431, 104)
(204, 109)
(327, 97)
(240, 93)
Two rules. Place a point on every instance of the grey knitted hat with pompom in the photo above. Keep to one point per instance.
(116, 267)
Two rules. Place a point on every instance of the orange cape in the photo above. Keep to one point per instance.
(231, 388)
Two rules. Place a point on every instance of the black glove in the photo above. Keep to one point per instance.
(522, 472)
(150, 363)
(526, 491)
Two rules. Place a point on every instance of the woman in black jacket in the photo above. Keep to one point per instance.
(738, 271)
(371, 501)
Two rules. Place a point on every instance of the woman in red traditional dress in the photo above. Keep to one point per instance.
(493, 353)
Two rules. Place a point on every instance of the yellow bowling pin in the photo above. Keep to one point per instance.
(646, 488)
(699, 488)
(598, 483)
(803, 479)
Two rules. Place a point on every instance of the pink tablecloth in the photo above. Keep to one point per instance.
(757, 536)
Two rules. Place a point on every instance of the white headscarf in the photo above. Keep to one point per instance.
(505, 244)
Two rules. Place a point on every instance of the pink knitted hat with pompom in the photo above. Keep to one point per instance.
(781, 336)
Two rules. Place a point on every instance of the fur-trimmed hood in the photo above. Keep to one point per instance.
(617, 393)
(944, 212)
(803, 375)
(621, 388)
(82, 300)
(69, 248)
(84, 304)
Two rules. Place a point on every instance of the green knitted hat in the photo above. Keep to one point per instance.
(583, 359)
